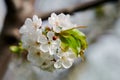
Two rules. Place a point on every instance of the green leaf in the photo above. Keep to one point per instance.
(70, 42)
(78, 35)
(64, 44)
(73, 39)
(81, 37)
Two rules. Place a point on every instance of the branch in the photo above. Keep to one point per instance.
(76, 8)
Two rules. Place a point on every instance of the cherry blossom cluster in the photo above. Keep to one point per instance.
(44, 44)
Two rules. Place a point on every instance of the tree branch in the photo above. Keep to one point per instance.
(76, 8)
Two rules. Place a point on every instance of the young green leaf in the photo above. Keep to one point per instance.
(79, 35)
(64, 44)
(70, 42)
(74, 39)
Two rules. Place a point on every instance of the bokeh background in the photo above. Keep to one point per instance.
(102, 18)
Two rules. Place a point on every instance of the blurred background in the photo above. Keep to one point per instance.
(102, 18)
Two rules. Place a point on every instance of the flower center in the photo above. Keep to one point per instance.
(53, 60)
(49, 42)
(47, 29)
(37, 43)
(54, 37)
(63, 58)
(38, 53)
(57, 23)
(35, 25)
(44, 63)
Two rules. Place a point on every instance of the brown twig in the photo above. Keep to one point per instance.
(76, 8)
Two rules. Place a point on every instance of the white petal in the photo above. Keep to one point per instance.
(71, 55)
(39, 31)
(44, 47)
(56, 43)
(50, 35)
(42, 39)
(48, 64)
(34, 58)
(68, 16)
(35, 18)
(39, 22)
(52, 19)
(53, 15)
(67, 63)
(23, 29)
(59, 52)
(25, 45)
(52, 49)
(28, 22)
(57, 64)
(57, 29)
(62, 16)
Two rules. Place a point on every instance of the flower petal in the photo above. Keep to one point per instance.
(59, 52)
(57, 29)
(44, 47)
(35, 56)
(67, 63)
(28, 22)
(52, 19)
(62, 16)
(39, 22)
(50, 35)
(23, 29)
(35, 18)
(56, 42)
(71, 55)
(53, 16)
(52, 49)
(57, 64)
(42, 39)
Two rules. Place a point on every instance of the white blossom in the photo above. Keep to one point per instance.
(30, 39)
(60, 22)
(30, 32)
(44, 43)
(65, 60)
(31, 25)
(38, 58)
(48, 44)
